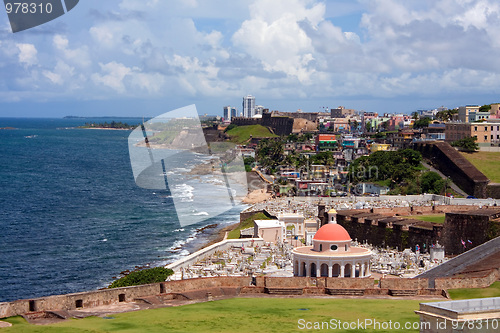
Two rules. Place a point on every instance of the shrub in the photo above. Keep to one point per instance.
(146, 276)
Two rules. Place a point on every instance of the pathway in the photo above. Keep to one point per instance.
(452, 184)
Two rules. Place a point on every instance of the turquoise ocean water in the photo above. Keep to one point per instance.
(71, 215)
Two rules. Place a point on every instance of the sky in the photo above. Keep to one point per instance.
(147, 57)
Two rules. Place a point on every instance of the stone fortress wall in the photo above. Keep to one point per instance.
(203, 288)
(279, 125)
(384, 226)
(451, 163)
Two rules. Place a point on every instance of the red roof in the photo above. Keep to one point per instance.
(332, 232)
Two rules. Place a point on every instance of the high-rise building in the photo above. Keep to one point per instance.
(227, 113)
(248, 106)
(230, 113)
(259, 109)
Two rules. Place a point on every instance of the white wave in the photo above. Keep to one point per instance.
(201, 213)
(183, 192)
(177, 244)
(177, 230)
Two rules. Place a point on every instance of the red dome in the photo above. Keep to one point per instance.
(332, 232)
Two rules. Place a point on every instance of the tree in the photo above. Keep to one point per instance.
(467, 144)
(431, 182)
(354, 125)
(270, 152)
(422, 122)
(414, 115)
(446, 115)
(230, 127)
(485, 108)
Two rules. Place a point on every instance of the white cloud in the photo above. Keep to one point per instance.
(78, 56)
(272, 49)
(27, 54)
(274, 36)
(113, 76)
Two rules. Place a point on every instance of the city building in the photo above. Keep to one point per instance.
(350, 142)
(326, 142)
(495, 111)
(478, 116)
(371, 188)
(331, 254)
(486, 132)
(229, 113)
(259, 109)
(340, 125)
(463, 112)
(434, 132)
(248, 106)
(341, 112)
(379, 147)
(271, 231)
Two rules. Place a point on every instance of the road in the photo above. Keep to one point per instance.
(450, 183)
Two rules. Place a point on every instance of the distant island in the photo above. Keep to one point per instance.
(118, 125)
(104, 117)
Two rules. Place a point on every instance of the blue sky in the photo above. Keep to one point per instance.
(146, 57)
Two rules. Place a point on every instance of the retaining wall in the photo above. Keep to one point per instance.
(471, 282)
(308, 285)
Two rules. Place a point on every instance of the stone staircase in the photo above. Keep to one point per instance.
(284, 291)
(403, 292)
(151, 300)
(345, 292)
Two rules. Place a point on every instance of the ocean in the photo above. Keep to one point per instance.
(71, 216)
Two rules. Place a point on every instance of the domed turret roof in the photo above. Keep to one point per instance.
(332, 211)
(332, 232)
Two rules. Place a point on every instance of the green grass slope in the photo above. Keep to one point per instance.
(242, 315)
(486, 162)
(242, 134)
(491, 291)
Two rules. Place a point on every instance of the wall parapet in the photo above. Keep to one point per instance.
(209, 250)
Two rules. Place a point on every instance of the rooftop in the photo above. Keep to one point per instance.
(353, 252)
(332, 232)
(468, 305)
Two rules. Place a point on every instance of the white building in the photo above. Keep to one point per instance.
(468, 315)
(248, 106)
(271, 231)
(331, 254)
(259, 109)
(371, 188)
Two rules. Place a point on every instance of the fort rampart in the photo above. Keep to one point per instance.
(279, 125)
(246, 285)
(451, 163)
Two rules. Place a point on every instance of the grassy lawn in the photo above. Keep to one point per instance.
(247, 223)
(487, 163)
(242, 134)
(436, 218)
(491, 291)
(241, 315)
